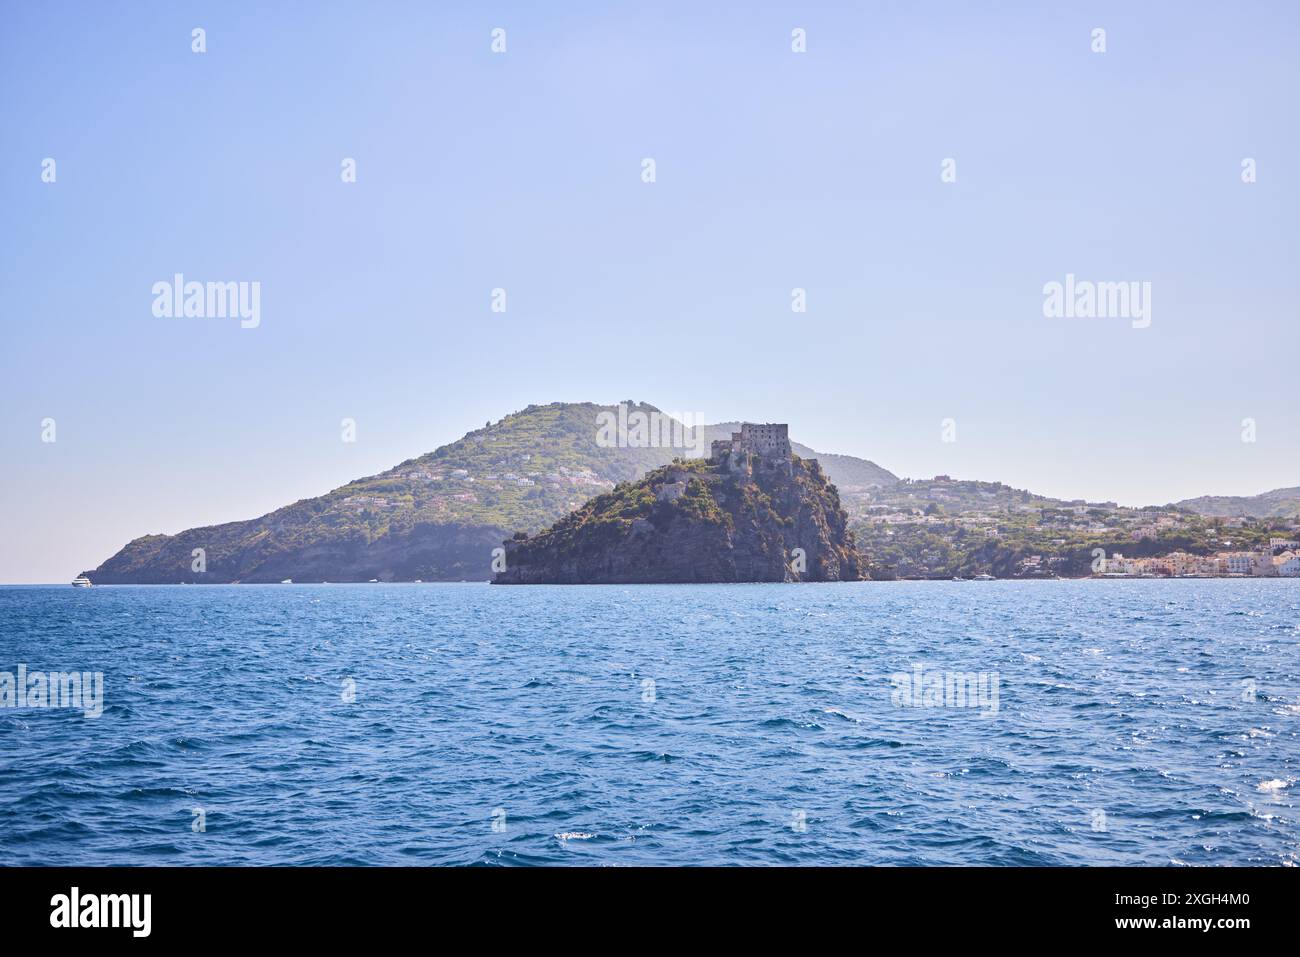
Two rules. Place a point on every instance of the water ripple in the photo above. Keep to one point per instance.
(1136, 723)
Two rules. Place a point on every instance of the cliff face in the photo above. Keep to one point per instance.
(696, 522)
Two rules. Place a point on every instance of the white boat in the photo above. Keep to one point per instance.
(81, 581)
(985, 578)
(287, 581)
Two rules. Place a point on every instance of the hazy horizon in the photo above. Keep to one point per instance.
(522, 170)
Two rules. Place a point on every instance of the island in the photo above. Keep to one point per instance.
(754, 511)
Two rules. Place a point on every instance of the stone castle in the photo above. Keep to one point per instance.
(766, 445)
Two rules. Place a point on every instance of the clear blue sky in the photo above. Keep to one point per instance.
(522, 170)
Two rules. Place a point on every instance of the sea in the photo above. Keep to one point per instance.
(1089, 722)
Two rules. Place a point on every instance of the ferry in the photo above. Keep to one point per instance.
(81, 581)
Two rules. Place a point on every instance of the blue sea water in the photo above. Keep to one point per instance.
(1137, 722)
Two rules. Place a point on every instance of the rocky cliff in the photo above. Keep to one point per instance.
(696, 522)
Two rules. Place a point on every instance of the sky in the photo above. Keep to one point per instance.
(522, 170)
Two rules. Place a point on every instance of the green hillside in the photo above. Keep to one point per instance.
(433, 517)
(1279, 503)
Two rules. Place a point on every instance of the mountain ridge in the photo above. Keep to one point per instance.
(434, 516)
(437, 516)
(1275, 503)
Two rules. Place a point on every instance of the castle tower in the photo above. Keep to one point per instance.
(768, 440)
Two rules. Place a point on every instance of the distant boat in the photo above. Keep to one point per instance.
(287, 581)
(958, 578)
(985, 578)
(81, 581)
(419, 581)
(374, 581)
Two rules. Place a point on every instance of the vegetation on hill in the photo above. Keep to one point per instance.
(434, 517)
(438, 516)
(942, 528)
(1279, 503)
